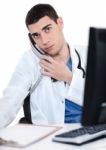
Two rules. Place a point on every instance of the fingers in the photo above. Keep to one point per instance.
(48, 58)
(47, 63)
(45, 72)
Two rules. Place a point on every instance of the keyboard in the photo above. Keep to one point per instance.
(82, 135)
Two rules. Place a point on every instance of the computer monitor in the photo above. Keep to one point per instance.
(94, 106)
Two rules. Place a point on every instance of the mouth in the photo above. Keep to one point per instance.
(49, 48)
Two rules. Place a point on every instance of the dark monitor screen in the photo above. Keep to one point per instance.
(94, 107)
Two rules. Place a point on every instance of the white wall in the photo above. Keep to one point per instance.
(78, 15)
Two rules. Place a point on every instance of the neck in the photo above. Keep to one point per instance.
(64, 53)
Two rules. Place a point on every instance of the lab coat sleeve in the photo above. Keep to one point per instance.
(14, 94)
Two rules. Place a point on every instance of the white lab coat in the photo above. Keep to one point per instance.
(48, 99)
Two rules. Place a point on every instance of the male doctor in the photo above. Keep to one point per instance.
(58, 96)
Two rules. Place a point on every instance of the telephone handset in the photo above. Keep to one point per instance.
(37, 51)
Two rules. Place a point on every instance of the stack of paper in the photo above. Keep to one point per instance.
(22, 135)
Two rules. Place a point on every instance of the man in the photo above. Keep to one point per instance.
(57, 98)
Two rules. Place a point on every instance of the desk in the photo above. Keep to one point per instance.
(48, 144)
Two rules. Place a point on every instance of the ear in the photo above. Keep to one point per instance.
(60, 22)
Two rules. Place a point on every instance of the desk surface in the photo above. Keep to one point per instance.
(48, 144)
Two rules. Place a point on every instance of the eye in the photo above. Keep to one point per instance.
(48, 29)
(36, 35)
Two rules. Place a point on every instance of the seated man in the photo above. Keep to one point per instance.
(57, 98)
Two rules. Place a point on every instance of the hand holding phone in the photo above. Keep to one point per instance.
(37, 51)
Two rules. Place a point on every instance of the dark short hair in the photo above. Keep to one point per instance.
(38, 11)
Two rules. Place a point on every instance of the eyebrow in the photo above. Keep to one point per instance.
(46, 26)
(35, 33)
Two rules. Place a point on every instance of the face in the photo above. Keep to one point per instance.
(48, 35)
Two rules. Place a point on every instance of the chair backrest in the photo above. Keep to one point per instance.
(27, 111)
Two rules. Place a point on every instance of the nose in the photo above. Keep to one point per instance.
(45, 39)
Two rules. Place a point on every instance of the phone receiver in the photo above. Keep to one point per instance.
(37, 51)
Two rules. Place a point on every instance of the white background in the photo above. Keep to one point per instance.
(78, 16)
